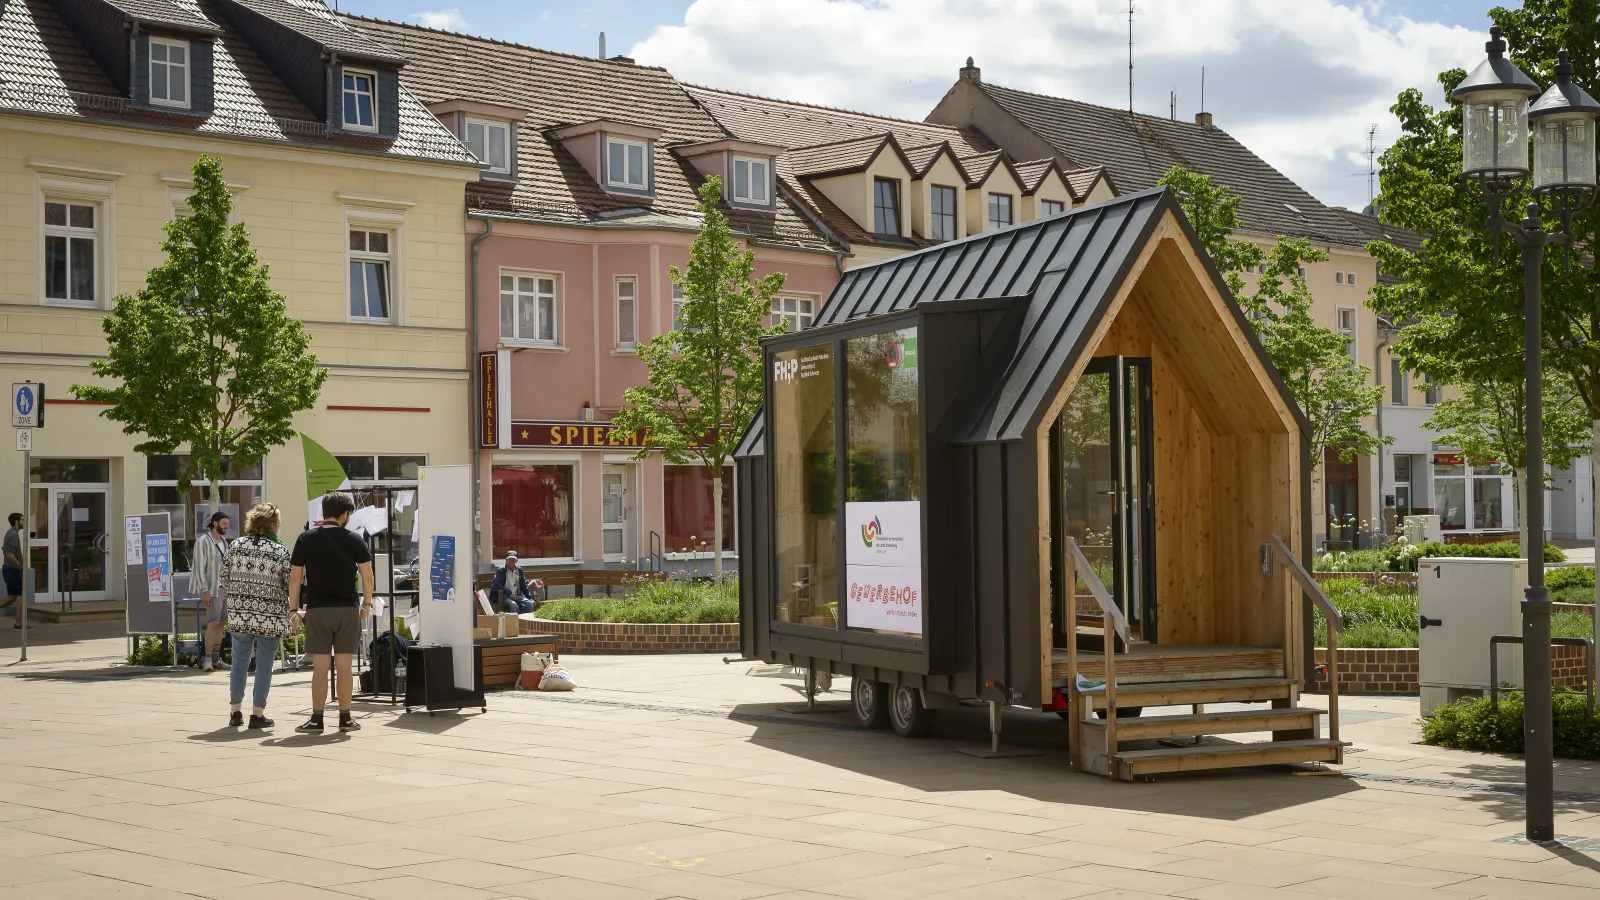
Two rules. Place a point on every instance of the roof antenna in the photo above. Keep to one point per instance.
(1130, 57)
(1172, 104)
(1202, 88)
(1372, 168)
(602, 45)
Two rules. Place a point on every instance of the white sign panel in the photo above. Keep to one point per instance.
(25, 439)
(133, 540)
(883, 559)
(886, 598)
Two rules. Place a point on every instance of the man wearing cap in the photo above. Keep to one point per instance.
(510, 591)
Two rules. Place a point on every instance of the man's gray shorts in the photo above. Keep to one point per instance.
(219, 606)
(333, 629)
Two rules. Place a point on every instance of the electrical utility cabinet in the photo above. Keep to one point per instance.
(1464, 603)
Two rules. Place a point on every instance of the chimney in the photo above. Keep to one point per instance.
(602, 45)
(625, 60)
(971, 73)
(1203, 119)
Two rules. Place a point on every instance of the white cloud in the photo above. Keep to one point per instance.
(444, 19)
(1298, 82)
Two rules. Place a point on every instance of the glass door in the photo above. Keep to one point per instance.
(614, 513)
(1101, 472)
(70, 544)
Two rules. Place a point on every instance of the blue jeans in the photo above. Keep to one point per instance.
(265, 649)
(513, 604)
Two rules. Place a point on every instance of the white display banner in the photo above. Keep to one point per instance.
(886, 598)
(883, 534)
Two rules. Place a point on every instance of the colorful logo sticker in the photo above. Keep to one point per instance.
(871, 530)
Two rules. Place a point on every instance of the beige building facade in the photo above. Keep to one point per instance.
(361, 230)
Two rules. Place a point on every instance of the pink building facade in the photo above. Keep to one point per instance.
(558, 485)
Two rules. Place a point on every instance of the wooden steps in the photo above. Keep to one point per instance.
(1188, 693)
(1245, 721)
(1154, 663)
(1132, 764)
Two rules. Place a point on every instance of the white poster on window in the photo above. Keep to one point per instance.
(883, 559)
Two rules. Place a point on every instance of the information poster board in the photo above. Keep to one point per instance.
(444, 517)
(883, 563)
(147, 552)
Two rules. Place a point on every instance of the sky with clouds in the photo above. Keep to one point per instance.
(1297, 81)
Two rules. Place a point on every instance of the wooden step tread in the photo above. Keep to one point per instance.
(1151, 663)
(1232, 722)
(1183, 693)
(1131, 763)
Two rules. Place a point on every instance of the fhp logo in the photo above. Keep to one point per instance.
(784, 369)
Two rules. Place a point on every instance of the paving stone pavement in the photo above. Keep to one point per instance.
(681, 777)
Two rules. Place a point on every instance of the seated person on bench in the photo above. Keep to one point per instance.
(511, 592)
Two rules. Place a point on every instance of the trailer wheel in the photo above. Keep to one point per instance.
(870, 701)
(907, 716)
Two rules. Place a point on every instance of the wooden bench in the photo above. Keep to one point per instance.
(502, 657)
(577, 579)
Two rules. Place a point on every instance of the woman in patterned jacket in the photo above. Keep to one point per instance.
(256, 572)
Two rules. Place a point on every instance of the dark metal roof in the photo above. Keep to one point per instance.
(754, 442)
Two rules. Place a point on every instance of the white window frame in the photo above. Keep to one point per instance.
(556, 308)
(395, 225)
(624, 342)
(372, 94)
(101, 195)
(677, 307)
(795, 319)
(1353, 331)
(764, 182)
(612, 179)
(185, 67)
(1350, 279)
(488, 126)
(1044, 211)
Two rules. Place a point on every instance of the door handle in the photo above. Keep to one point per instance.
(1424, 622)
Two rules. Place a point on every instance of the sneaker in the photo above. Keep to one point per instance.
(312, 726)
(348, 724)
(236, 719)
(205, 664)
(257, 722)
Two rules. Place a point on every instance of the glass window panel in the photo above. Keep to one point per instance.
(886, 206)
(1488, 508)
(377, 242)
(69, 471)
(81, 267)
(547, 285)
(158, 51)
(883, 436)
(163, 467)
(177, 54)
(475, 141)
(55, 267)
(55, 214)
(358, 290)
(615, 166)
(377, 290)
(358, 240)
(350, 115)
(507, 283)
(158, 82)
(547, 319)
(804, 492)
(626, 316)
(758, 182)
(356, 468)
(635, 165)
(508, 315)
(688, 495)
(400, 468)
(528, 323)
(532, 508)
(497, 147)
(1451, 502)
(741, 179)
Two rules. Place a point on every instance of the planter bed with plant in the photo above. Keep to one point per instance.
(656, 617)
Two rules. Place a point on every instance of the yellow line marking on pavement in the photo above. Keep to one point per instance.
(664, 860)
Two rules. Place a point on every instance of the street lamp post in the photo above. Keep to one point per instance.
(1494, 136)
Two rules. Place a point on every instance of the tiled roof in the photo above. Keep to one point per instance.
(850, 155)
(1034, 172)
(313, 19)
(790, 124)
(44, 70)
(559, 89)
(1081, 181)
(184, 14)
(1139, 149)
(1373, 228)
(979, 166)
(921, 158)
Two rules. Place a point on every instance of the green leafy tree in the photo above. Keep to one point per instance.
(1460, 295)
(1313, 361)
(704, 378)
(205, 356)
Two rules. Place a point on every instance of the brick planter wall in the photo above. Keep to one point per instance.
(1395, 671)
(606, 637)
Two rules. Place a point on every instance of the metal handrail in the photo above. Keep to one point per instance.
(1494, 664)
(1097, 588)
(1335, 620)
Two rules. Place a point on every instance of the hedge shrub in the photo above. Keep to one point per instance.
(1472, 725)
(1400, 556)
(654, 603)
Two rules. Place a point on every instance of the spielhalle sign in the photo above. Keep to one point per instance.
(583, 435)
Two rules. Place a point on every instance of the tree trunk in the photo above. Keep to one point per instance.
(1520, 486)
(716, 503)
(1594, 509)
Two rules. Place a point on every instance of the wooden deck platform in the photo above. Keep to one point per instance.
(1145, 663)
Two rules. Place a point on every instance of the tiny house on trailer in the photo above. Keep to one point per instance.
(1011, 467)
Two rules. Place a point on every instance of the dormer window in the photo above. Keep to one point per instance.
(169, 72)
(490, 142)
(886, 206)
(627, 164)
(751, 180)
(360, 101)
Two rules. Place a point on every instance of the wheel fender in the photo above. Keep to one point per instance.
(931, 700)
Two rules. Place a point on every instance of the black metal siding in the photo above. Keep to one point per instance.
(293, 57)
(103, 31)
(388, 100)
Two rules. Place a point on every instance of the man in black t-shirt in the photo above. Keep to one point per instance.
(325, 563)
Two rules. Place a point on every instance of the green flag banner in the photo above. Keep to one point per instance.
(323, 472)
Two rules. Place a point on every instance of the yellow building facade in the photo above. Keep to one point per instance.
(362, 236)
